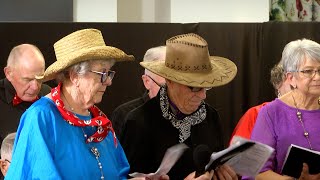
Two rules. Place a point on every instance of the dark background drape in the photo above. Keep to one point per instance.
(253, 47)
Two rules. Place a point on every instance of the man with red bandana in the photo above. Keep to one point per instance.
(21, 86)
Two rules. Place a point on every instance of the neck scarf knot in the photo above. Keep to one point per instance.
(16, 100)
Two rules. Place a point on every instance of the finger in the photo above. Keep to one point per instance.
(164, 177)
(190, 176)
(230, 172)
(211, 173)
(304, 171)
(223, 174)
(214, 176)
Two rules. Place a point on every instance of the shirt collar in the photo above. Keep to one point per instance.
(9, 91)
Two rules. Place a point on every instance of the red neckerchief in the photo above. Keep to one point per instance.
(99, 119)
(16, 100)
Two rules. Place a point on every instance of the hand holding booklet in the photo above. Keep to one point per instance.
(295, 158)
(244, 156)
(170, 158)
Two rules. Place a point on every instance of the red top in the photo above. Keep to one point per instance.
(246, 122)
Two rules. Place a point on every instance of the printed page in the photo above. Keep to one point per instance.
(170, 158)
(248, 162)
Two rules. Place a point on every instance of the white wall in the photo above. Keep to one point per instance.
(184, 11)
(175, 11)
(95, 10)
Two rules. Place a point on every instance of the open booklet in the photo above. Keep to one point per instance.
(295, 158)
(244, 156)
(170, 158)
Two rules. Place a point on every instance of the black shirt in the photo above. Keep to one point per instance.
(11, 114)
(148, 135)
(118, 117)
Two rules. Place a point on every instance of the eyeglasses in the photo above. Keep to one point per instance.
(105, 75)
(310, 73)
(154, 80)
(197, 89)
(7, 161)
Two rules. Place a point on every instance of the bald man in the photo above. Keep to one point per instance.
(22, 85)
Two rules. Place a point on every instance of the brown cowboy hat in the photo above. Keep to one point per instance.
(79, 46)
(188, 62)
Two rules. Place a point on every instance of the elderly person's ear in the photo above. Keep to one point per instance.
(74, 78)
(146, 81)
(4, 166)
(7, 72)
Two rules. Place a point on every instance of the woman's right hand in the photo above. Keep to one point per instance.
(305, 174)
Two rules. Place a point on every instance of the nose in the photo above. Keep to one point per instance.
(317, 73)
(202, 93)
(35, 85)
(108, 82)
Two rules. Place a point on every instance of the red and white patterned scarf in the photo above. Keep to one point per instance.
(99, 119)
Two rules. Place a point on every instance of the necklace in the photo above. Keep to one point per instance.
(299, 116)
(96, 153)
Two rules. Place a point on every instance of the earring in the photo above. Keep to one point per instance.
(279, 94)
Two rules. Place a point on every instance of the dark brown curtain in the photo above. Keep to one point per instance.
(254, 47)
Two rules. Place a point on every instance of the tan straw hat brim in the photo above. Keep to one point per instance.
(223, 71)
(79, 46)
(96, 53)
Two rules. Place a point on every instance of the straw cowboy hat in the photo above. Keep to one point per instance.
(188, 62)
(79, 46)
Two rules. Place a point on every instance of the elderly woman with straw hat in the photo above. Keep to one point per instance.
(179, 114)
(64, 135)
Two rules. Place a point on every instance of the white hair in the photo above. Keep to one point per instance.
(295, 52)
(154, 54)
(7, 146)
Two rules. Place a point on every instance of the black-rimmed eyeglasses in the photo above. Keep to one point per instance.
(105, 75)
(197, 89)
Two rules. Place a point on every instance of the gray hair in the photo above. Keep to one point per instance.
(19, 51)
(81, 68)
(295, 52)
(7, 146)
(277, 76)
(154, 54)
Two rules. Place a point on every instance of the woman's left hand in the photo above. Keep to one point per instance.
(305, 174)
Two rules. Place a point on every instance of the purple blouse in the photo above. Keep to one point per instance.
(278, 126)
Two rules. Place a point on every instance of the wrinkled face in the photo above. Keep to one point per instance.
(91, 89)
(23, 76)
(183, 97)
(308, 77)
